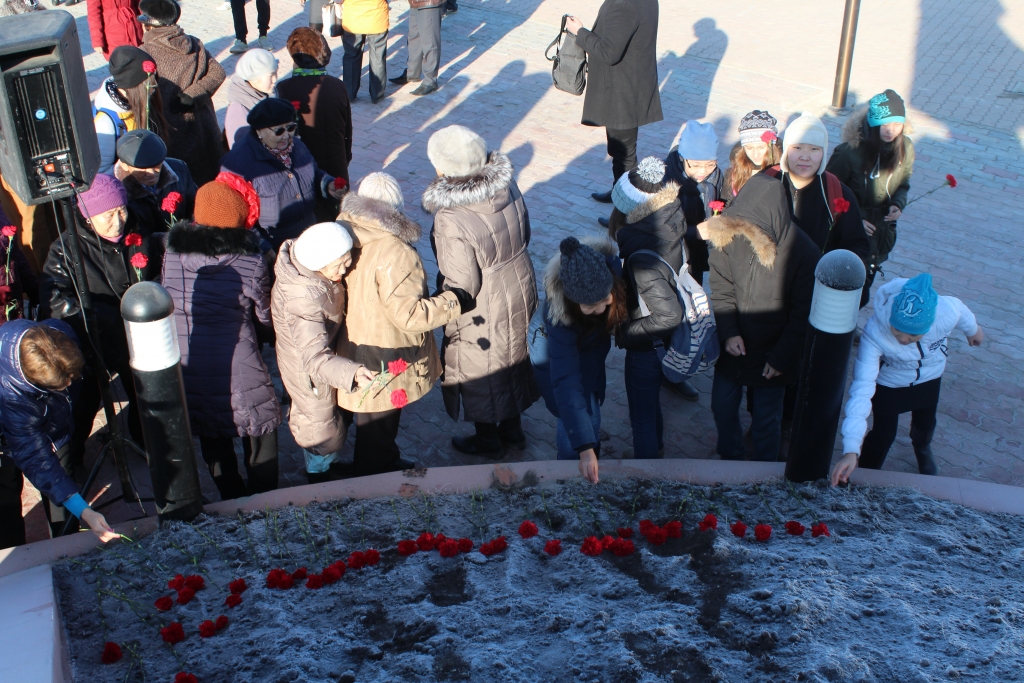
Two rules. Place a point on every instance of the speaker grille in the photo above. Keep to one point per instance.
(39, 92)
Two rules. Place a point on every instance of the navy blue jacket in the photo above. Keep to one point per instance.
(568, 363)
(35, 422)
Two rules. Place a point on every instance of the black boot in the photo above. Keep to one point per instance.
(603, 197)
(511, 432)
(486, 442)
(922, 442)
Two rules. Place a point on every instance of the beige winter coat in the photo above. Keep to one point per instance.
(390, 313)
(308, 312)
(481, 233)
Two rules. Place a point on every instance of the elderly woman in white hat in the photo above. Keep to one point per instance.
(255, 80)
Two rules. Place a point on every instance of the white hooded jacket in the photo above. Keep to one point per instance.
(883, 360)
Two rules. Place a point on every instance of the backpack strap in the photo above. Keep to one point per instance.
(555, 42)
(120, 127)
(833, 188)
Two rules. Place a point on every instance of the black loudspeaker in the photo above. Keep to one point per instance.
(47, 136)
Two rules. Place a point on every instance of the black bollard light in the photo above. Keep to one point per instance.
(838, 281)
(148, 313)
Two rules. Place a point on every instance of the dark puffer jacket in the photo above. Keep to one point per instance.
(811, 212)
(762, 279)
(146, 202)
(35, 422)
(219, 281)
(657, 225)
(695, 198)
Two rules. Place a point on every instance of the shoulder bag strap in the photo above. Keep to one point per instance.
(555, 42)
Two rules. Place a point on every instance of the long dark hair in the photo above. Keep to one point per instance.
(741, 168)
(136, 97)
(613, 315)
(888, 156)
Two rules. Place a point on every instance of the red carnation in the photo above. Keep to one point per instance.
(645, 526)
(333, 573)
(625, 532)
(738, 528)
(299, 574)
(674, 529)
(133, 239)
(553, 547)
(163, 604)
(177, 583)
(9, 230)
(622, 547)
(185, 595)
(426, 542)
(494, 546)
(139, 261)
(794, 528)
(448, 548)
(465, 545)
(170, 202)
(296, 104)
(149, 67)
(182, 677)
(438, 540)
(708, 523)
(221, 623)
(195, 582)
(840, 205)
(769, 137)
(819, 529)
(607, 541)
(233, 600)
(407, 547)
(528, 529)
(762, 532)
(591, 546)
(315, 581)
(207, 629)
(716, 206)
(237, 586)
(244, 188)
(396, 367)
(340, 183)
(111, 653)
(399, 399)
(357, 560)
(172, 633)
(950, 180)
(372, 557)
(279, 578)
(655, 534)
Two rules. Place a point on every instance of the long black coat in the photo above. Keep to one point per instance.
(762, 280)
(622, 65)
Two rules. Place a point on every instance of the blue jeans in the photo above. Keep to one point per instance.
(643, 391)
(766, 414)
(565, 449)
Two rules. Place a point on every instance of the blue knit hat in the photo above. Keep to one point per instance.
(913, 309)
(886, 107)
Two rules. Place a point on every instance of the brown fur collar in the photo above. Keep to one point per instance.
(660, 199)
(449, 192)
(375, 215)
(855, 124)
(553, 287)
(722, 230)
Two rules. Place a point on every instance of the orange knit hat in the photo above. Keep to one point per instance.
(220, 206)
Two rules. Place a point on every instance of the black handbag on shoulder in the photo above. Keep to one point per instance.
(569, 65)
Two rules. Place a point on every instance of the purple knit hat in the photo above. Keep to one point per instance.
(105, 193)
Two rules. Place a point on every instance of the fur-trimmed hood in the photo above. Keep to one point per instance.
(760, 213)
(658, 200)
(553, 288)
(722, 230)
(186, 237)
(365, 217)
(852, 129)
(450, 192)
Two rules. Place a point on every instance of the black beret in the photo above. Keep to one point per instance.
(159, 12)
(141, 149)
(272, 111)
(126, 66)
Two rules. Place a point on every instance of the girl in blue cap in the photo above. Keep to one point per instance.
(899, 368)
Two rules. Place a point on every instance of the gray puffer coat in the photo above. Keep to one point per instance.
(480, 237)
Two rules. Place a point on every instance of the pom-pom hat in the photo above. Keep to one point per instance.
(913, 309)
(639, 185)
(321, 244)
(584, 273)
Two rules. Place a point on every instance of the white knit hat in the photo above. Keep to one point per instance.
(255, 62)
(383, 187)
(457, 151)
(321, 244)
(698, 142)
(808, 130)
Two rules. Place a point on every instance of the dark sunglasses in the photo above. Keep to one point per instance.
(291, 127)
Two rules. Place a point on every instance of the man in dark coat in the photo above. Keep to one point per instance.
(622, 89)
(151, 178)
(762, 279)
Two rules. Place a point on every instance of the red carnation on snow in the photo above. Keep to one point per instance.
(607, 541)
(279, 578)
(237, 586)
(407, 547)
(448, 548)
(221, 623)
(111, 653)
(738, 528)
(177, 583)
(528, 529)
(645, 526)
(315, 581)
(207, 629)
(769, 137)
(9, 230)
(794, 528)
(762, 532)
(133, 239)
(195, 582)
(299, 574)
(591, 546)
(624, 532)
(139, 261)
(185, 595)
(172, 633)
(840, 205)
(397, 367)
(426, 542)
(182, 677)
(233, 600)
(708, 523)
(656, 535)
(553, 547)
(333, 573)
(622, 547)
(674, 529)
(494, 546)
(149, 66)
(372, 557)
(163, 604)
(170, 202)
(465, 545)
(399, 399)
(950, 180)
(357, 560)
(819, 529)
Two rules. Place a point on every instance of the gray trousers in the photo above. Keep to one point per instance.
(353, 64)
(424, 44)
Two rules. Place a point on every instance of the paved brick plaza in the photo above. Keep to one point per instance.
(955, 62)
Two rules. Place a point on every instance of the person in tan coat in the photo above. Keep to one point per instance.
(308, 307)
(480, 236)
(390, 317)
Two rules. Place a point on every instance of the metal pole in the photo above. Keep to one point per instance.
(846, 42)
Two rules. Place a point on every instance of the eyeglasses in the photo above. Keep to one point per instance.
(291, 128)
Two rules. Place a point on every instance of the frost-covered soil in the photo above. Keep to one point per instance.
(906, 589)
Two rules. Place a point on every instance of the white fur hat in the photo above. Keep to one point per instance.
(383, 187)
(808, 130)
(457, 151)
(321, 244)
(698, 142)
(255, 62)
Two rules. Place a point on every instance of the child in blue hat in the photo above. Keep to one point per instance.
(898, 370)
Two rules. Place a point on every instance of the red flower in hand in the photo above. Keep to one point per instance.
(708, 523)
(397, 367)
(233, 600)
(149, 67)
(133, 239)
(795, 528)
(625, 532)
(340, 183)
(9, 230)
(237, 586)
(182, 677)
(372, 557)
(762, 532)
(399, 399)
(819, 529)
(170, 202)
(591, 546)
(172, 633)
(840, 205)
(448, 548)
(553, 547)
(299, 574)
(177, 583)
(674, 529)
(716, 206)
(111, 653)
(163, 604)
(738, 528)
(950, 180)
(528, 529)
(185, 595)
(207, 629)
(465, 545)
(357, 560)
(195, 582)
(426, 542)
(221, 623)
(139, 261)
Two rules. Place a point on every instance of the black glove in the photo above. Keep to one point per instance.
(466, 302)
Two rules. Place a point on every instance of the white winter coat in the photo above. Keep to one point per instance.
(881, 359)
